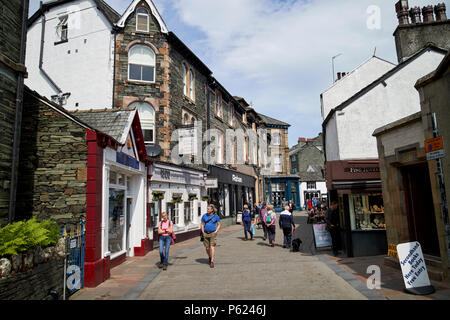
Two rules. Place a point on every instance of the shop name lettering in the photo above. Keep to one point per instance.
(361, 170)
(416, 264)
(236, 178)
(165, 174)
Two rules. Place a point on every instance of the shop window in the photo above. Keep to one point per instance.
(187, 212)
(116, 225)
(366, 212)
(112, 177)
(142, 20)
(141, 64)
(173, 212)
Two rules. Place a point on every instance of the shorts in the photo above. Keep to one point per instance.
(210, 240)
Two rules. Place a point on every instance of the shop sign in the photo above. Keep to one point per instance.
(414, 269)
(321, 235)
(211, 183)
(434, 148)
(236, 178)
(127, 160)
(362, 170)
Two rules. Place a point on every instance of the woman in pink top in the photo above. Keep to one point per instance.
(262, 218)
(165, 229)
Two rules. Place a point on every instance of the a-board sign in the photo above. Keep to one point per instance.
(414, 269)
(321, 235)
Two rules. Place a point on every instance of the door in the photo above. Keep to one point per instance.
(420, 208)
(129, 203)
(155, 209)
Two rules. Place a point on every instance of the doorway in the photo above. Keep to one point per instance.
(128, 220)
(420, 208)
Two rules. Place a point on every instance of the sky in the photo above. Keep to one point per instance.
(277, 54)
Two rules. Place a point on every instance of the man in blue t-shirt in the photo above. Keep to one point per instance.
(210, 228)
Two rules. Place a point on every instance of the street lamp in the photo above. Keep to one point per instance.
(332, 62)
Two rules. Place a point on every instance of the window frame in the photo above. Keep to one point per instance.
(147, 65)
(188, 82)
(63, 22)
(146, 122)
(142, 14)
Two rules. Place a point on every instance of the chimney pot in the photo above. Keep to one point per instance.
(414, 13)
(339, 76)
(401, 8)
(428, 14)
(440, 11)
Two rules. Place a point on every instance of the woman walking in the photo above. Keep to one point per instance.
(262, 218)
(270, 221)
(247, 222)
(165, 230)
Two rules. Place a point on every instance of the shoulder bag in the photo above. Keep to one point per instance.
(202, 237)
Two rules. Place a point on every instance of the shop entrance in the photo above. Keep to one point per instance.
(128, 220)
(420, 208)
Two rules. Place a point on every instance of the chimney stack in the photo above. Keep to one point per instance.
(428, 14)
(401, 8)
(439, 10)
(344, 74)
(414, 13)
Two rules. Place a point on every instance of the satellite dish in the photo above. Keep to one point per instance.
(153, 150)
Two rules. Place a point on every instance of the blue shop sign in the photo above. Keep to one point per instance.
(127, 161)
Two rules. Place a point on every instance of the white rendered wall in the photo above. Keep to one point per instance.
(380, 106)
(353, 82)
(86, 74)
(320, 186)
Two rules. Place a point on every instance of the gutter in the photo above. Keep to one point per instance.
(41, 56)
(18, 121)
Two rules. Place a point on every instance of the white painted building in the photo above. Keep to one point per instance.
(70, 50)
(351, 115)
(349, 125)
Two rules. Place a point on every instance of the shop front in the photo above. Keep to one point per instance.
(282, 189)
(180, 192)
(233, 190)
(356, 185)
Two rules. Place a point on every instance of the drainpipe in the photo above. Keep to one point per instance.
(114, 31)
(18, 120)
(41, 56)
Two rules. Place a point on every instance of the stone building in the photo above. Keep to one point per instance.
(12, 72)
(308, 162)
(419, 27)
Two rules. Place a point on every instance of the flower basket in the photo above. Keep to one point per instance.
(192, 197)
(205, 199)
(157, 195)
(177, 200)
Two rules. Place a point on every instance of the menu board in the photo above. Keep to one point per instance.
(321, 235)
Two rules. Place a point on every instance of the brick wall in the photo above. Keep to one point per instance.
(52, 169)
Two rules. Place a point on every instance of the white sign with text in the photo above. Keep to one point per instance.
(413, 265)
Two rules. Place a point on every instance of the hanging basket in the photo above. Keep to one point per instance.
(205, 199)
(157, 195)
(192, 197)
(177, 200)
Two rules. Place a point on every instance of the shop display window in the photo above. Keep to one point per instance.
(367, 212)
(116, 220)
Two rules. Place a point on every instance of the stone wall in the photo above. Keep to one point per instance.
(10, 26)
(36, 283)
(52, 169)
(409, 39)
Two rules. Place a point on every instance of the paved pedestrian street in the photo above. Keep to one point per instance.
(248, 270)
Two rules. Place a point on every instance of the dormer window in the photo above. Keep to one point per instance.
(62, 28)
(142, 20)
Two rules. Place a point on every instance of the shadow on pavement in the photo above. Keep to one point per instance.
(202, 261)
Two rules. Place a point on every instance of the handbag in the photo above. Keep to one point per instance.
(202, 237)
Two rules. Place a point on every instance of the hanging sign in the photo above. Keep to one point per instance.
(414, 270)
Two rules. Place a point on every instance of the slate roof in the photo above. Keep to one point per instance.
(112, 122)
(111, 15)
(271, 121)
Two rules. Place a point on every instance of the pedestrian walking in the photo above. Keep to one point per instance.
(286, 223)
(247, 222)
(210, 228)
(291, 206)
(262, 218)
(165, 230)
(270, 221)
(333, 227)
(309, 204)
(256, 212)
